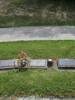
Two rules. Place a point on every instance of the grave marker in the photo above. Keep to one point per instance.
(66, 63)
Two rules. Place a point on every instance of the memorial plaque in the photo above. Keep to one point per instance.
(38, 63)
(7, 64)
(66, 63)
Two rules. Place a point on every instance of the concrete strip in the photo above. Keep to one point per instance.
(39, 63)
(37, 33)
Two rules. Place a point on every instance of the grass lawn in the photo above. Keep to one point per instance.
(38, 82)
(38, 49)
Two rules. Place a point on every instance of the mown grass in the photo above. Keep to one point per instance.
(38, 49)
(39, 82)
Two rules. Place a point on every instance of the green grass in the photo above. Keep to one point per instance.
(38, 82)
(38, 49)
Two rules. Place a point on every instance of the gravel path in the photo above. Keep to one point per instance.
(38, 33)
